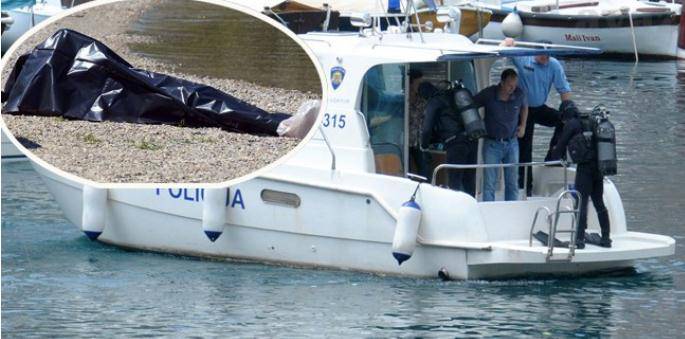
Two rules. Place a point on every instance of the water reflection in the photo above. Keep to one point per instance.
(210, 40)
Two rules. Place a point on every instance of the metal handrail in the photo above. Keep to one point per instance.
(573, 194)
(330, 148)
(476, 166)
(535, 219)
(483, 41)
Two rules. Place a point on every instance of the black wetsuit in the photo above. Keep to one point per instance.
(589, 181)
(460, 149)
(542, 115)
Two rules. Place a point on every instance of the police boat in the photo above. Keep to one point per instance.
(348, 199)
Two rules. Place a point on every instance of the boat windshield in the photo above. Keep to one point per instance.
(384, 104)
(394, 114)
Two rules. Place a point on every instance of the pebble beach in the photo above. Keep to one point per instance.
(135, 153)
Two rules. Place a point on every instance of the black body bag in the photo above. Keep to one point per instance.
(77, 77)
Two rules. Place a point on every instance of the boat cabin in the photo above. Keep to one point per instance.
(366, 123)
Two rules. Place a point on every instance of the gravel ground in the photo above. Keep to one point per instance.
(125, 153)
(120, 152)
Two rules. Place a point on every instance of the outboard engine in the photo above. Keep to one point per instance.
(605, 137)
(473, 123)
(406, 229)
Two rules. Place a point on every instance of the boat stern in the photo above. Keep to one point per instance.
(522, 258)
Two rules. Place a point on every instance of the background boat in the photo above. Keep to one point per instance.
(473, 18)
(300, 16)
(617, 27)
(25, 15)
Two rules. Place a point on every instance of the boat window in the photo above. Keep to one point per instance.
(383, 103)
(464, 71)
(280, 198)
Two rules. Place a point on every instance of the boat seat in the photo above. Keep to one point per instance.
(389, 164)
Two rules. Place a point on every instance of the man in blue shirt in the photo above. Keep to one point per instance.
(538, 74)
(506, 112)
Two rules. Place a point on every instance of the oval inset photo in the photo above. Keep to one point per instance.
(160, 91)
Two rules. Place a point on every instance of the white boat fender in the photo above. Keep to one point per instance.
(94, 211)
(512, 25)
(214, 212)
(406, 230)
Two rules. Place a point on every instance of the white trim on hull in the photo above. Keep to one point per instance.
(658, 41)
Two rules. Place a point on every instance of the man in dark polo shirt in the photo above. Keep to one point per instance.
(506, 111)
(538, 74)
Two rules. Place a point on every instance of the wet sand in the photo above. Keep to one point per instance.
(123, 152)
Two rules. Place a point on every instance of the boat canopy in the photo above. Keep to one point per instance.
(523, 51)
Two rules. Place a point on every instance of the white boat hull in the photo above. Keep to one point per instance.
(9, 151)
(657, 41)
(25, 18)
(327, 207)
(335, 227)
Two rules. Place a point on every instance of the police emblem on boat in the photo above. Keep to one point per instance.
(337, 76)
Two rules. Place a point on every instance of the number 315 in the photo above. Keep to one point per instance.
(334, 121)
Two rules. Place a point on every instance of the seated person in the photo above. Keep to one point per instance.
(506, 111)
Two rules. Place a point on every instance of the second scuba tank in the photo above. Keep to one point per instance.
(605, 138)
(473, 123)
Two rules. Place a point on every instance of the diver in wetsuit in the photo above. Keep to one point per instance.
(589, 179)
(443, 123)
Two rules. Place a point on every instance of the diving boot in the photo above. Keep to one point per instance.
(580, 243)
(604, 225)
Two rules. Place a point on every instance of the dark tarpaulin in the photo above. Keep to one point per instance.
(77, 77)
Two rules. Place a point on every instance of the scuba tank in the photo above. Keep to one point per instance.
(605, 139)
(463, 100)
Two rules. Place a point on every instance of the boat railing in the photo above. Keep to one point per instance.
(330, 148)
(525, 165)
(542, 45)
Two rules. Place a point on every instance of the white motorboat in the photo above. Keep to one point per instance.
(615, 26)
(9, 151)
(26, 17)
(344, 201)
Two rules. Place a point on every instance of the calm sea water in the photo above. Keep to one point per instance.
(56, 282)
